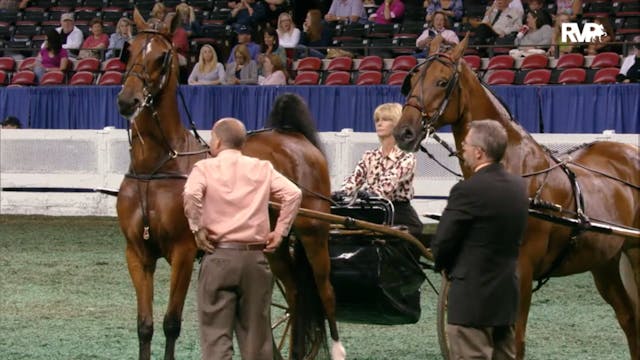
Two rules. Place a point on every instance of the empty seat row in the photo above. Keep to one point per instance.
(546, 76)
(344, 78)
(8, 64)
(28, 78)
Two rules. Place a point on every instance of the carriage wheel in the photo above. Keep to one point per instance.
(442, 317)
(280, 322)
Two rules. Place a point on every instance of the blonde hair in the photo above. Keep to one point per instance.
(203, 66)
(392, 110)
(243, 50)
(277, 64)
(185, 12)
(123, 20)
(280, 30)
(157, 9)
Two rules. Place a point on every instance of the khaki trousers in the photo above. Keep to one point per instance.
(490, 343)
(234, 295)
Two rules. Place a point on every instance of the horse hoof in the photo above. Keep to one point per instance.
(337, 351)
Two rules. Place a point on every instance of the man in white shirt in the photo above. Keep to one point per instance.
(72, 37)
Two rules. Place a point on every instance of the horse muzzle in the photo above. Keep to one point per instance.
(128, 105)
(406, 138)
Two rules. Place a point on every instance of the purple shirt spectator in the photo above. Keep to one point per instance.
(52, 62)
(396, 12)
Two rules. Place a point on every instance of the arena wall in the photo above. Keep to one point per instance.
(54, 172)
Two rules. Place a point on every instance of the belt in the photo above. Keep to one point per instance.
(238, 246)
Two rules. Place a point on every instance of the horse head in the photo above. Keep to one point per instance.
(430, 87)
(151, 64)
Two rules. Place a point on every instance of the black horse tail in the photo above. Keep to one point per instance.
(308, 333)
(290, 113)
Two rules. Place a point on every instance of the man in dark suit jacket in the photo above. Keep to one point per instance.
(477, 244)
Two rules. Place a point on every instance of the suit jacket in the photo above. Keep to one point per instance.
(477, 243)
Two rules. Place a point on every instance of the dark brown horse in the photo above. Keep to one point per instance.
(444, 91)
(150, 207)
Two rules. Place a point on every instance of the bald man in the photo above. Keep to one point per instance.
(226, 202)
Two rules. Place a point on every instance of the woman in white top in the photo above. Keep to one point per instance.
(273, 70)
(288, 33)
(439, 27)
(208, 71)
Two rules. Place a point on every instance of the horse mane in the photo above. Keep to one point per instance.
(290, 113)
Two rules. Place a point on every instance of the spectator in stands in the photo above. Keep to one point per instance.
(451, 8)
(180, 41)
(535, 5)
(387, 171)
(244, 38)
(517, 5)
(52, 57)
(11, 122)
(288, 33)
(117, 39)
(535, 35)
(13, 5)
(389, 12)
(246, 13)
(71, 35)
(573, 8)
(243, 70)
(271, 45)
(188, 19)
(273, 70)
(273, 10)
(630, 70)
(604, 43)
(348, 11)
(207, 71)
(315, 34)
(440, 26)
(559, 47)
(158, 12)
(499, 25)
(94, 44)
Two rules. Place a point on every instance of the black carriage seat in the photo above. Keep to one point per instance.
(375, 209)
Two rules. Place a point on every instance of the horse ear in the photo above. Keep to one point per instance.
(434, 47)
(139, 20)
(458, 51)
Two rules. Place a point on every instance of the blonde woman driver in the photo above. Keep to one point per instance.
(208, 71)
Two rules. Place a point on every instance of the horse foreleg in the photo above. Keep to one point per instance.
(141, 271)
(181, 260)
(526, 277)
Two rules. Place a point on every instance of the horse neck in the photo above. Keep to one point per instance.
(523, 153)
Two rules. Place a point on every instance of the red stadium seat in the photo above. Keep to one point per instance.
(27, 63)
(572, 76)
(605, 60)
(25, 77)
(403, 63)
(573, 60)
(606, 75)
(501, 77)
(537, 77)
(307, 78)
(88, 64)
(7, 63)
(369, 78)
(113, 65)
(474, 61)
(52, 78)
(342, 63)
(3, 78)
(396, 78)
(110, 78)
(309, 64)
(500, 62)
(338, 78)
(373, 63)
(82, 78)
(535, 61)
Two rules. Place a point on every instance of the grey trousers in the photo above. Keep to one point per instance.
(490, 343)
(234, 295)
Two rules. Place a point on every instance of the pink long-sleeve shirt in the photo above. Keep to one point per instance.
(229, 196)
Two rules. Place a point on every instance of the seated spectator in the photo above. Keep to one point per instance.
(52, 57)
(559, 47)
(348, 11)
(13, 5)
(451, 8)
(247, 13)
(270, 45)
(117, 39)
(188, 19)
(95, 43)
(389, 12)
(534, 36)
(10, 122)
(273, 10)
(499, 25)
(244, 38)
(517, 5)
(243, 70)
(288, 33)
(535, 5)
(630, 70)
(314, 34)
(573, 8)
(207, 71)
(158, 12)
(71, 35)
(440, 27)
(603, 44)
(180, 41)
(273, 70)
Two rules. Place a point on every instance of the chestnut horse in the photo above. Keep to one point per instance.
(151, 213)
(445, 91)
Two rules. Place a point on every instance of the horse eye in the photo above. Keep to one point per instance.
(442, 83)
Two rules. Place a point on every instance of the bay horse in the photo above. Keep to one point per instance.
(444, 91)
(150, 206)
